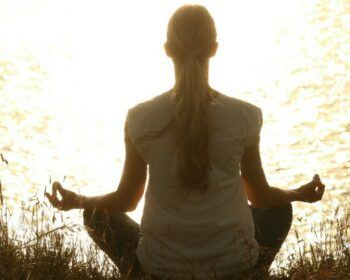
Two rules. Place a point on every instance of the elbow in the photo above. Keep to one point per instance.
(264, 202)
(130, 207)
(260, 200)
(124, 202)
(258, 203)
(124, 208)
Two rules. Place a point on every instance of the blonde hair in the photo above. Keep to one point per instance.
(190, 39)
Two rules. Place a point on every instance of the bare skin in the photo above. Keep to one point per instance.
(261, 194)
(124, 199)
(132, 184)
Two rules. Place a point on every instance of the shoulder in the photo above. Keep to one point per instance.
(247, 117)
(239, 105)
(149, 115)
(149, 105)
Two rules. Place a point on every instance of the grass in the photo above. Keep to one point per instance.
(36, 251)
(36, 242)
(30, 249)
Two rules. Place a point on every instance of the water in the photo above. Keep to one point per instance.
(64, 96)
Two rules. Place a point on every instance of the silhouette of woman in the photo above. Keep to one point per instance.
(201, 148)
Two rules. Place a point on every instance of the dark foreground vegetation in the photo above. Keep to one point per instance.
(30, 249)
(38, 243)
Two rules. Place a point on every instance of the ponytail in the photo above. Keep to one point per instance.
(191, 33)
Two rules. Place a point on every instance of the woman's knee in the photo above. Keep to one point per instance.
(273, 214)
(284, 216)
(273, 224)
(87, 215)
(92, 218)
(287, 212)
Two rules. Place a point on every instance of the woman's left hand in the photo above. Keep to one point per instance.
(312, 191)
(70, 200)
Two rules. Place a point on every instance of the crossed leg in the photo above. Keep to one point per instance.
(117, 235)
(271, 229)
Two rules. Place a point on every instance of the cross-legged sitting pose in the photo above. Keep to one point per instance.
(209, 211)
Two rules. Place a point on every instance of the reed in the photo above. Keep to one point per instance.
(36, 242)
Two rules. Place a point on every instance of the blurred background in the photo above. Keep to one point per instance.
(69, 70)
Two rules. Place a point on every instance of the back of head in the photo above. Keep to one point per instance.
(191, 39)
(191, 32)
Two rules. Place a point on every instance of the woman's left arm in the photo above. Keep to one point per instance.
(124, 199)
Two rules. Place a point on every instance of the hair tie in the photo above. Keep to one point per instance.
(191, 54)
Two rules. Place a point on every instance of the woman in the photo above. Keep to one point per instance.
(202, 152)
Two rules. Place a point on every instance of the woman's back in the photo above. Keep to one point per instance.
(196, 222)
(186, 231)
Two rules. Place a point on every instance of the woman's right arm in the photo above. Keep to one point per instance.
(260, 194)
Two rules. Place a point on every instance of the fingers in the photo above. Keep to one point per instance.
(57, 203)
(316, 179)
(57, 186)
(54, 190)
(53, 200)
(53, 197)
(319, 186)
(314, 190)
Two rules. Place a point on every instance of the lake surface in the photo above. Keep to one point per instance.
(63, 101)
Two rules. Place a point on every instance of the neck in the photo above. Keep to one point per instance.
(205, 67)
(212, 94)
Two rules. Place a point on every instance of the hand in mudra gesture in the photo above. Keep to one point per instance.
(69, 199)
(311, 192)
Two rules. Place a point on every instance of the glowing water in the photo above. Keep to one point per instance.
(69, 71)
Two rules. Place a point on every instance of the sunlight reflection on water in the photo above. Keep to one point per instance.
(61, 116)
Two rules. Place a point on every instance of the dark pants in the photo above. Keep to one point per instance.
(118, 236)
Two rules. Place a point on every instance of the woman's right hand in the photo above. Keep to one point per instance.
(311, 192)
(70, 200)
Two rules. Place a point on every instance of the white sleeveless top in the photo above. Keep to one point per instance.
(195, 235)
